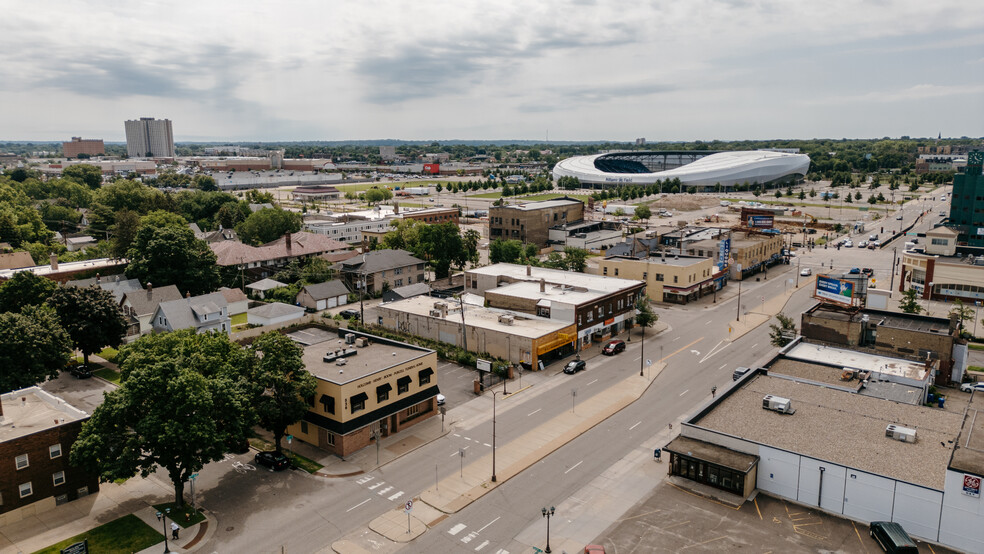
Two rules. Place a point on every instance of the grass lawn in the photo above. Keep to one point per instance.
(299, 461)
(491, 195)
(109, 354)
(110, 375)
(975, 346)
(126, 534)
(239, 319)
(184, 516)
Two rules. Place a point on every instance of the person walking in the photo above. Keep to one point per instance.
(714, 391)
(174, 531)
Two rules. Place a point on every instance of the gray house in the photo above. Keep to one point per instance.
(117, 285)
(381, 269)
(139, 306)
(322, 296)
(208, 312)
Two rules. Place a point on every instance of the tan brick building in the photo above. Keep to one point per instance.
(79, 145)
(753, 252)
(531, 221)
(676, 279)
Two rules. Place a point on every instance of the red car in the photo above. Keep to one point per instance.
(613, 347)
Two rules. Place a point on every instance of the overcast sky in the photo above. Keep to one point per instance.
(443, 69)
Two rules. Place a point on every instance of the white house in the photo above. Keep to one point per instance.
(273, 313)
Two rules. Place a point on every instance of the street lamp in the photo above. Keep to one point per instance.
(493, 436)
(547, 514)
(163, 519)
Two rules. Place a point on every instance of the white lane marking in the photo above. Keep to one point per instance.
(595, 381)
(676, 339)
(501, 551)
(487, 444)
(754, 345)
(384, 491)
(481, 546)
(489, 523)
(714, 351)
(684, 392)
(533, 412)
(376, 486)
(457, 435)
(709, 322)
(456, 529)
(365, 479)
(572, 467)
(467, 538)
(395, 496)
(724, 366)
(359, 504)
(634, 426)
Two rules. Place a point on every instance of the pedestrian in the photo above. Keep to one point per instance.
(174, 531)
(714, 391)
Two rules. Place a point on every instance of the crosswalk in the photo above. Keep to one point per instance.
(468, 537)
(379, 487)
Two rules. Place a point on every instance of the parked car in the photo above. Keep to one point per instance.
(441, 400)
(349, 314)
(574, 366)
(848, 243)
(594, 549)
(968, 387)
(873, 244)
(892, 537)
(81, 371)
(805, 272)
(867, 272)
(613, 347)
(855, 271)
(873, 237)
(863, 244)
(273, 460)
(898, 217)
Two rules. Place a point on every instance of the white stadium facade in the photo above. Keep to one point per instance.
(694, 168)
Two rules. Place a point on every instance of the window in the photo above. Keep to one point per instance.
(424, 377)
(330, 439)
(383, 392)
(54, 451)
(21, 461)
(659, 276)
(675, 279)
(304, 427)
(403, 384)
(942, 242)
(359, 402)
(645, 275)
(590, 316)
(58, 478)
(604, 270)
(413, 410)
(25, 489)
(328, 403)
(616, 272)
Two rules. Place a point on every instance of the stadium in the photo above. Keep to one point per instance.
(700, 169)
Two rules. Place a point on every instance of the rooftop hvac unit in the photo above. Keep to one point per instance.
(349, 338)
(440, 305)
(436, 313)
(361, 342)
(899, 433)
(506, 319)
(777, 404)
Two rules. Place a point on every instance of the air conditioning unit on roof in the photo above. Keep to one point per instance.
(778, 404)
(899, 433)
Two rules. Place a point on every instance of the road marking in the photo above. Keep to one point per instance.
(709, 322)
(359, 504)
(489, 523)
(481, 546)
(376, 486)
(595, 381)
(724, 366)
(714, 351)
(634, 426)
(365, 479)
(467, 538)
(384, 491)
(684, 392)
(456, 529)
(487, 444)
(533, 412)
(573, 466)
(754, 345)
(501, 551)
(457, 435)
(395, 496)
(676, 339)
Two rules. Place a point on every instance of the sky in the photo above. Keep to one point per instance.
(578, 70)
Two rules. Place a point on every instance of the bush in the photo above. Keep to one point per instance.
(466, 358)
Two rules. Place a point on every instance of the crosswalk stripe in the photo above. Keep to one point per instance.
(456, 529)
(377, 485)
(481, 546)
(395, 496)
(384, 491)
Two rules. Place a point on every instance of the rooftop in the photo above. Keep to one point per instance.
(542, 204)
(864, 361)
(31, 410)
(67, 267)
(556, 276)
(524, 325)
(969, 452)
(379, 356)
(557, 293)
(842, 428)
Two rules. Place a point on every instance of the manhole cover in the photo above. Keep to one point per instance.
(229, 529)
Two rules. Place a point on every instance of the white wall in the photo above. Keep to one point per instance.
(778, 472)
(868, 497)
(960, 525)
(833, 484)
(918, 510)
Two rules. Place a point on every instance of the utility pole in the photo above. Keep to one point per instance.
(739, 300)
(798, 263)
(891, 284)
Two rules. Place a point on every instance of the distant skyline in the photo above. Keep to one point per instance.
(441, 70)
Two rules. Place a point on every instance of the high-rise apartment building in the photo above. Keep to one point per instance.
(149, 138)
(79, 145)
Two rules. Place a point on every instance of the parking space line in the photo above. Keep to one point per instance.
(755, 500)
(705, 542)
(684, 392)
(573, 467)
(592, 382)
(634, 426)
(533, 412)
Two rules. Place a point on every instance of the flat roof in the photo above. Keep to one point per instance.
(30, 410)
(864, 361)
(542, 204)
(842, 428)
(557, 293)
(65, 267)
(524, 325)
(969, 452)
(556, 276)
(377, 357)
(678, 261)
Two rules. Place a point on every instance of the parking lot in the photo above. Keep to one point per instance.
(675, 520)
(84, 394)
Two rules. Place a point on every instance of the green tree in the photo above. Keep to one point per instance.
(184, 400)
(377, 194)
(84, 174)
(91, 317)
(124, 232)
(171, 255)
(642, 211)
(962, 311)
(33, 347)
(268, 225)
(469, 242)
(204, 183)
(286, 384)
(25, 289)
(813, 193)
(505, 251)
(128, 195)
(405, 233)
(802, 195)
(782, 334)
(575, 259)
(441, 245)
(645, 317)
(909, 303)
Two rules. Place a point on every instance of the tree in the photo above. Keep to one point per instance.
(575, 259)
(782, 334)
(33, 347)
(171, 255)
(507, 251)
(286, 384)
(642, 211)
(802, 195)
(124, 232)
(405, 233)
(25, 289)
(184, 400)
(442, 246)
(91, 317)
(268, 225)
(377, 194)
(84, 174)
(204, 183)
(646, 316)
(909, 304)
(962, 311)
(469, 242)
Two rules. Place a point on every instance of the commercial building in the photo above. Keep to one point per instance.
(531, 221)
(78, 145)
(753, 253)
(675, 279)
(431, 216)
(587, 235)
(368, 387)
(517, 337)
(817, 435)
(381, 269)
(967, 202)
(37, 431)
(599, 307)
(938, 273)
(149, 138)
(315, 193)
(107, 167)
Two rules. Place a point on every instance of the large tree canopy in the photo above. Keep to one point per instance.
(84, 174)
(35, 347)
(183, 401)
(287, 385)
(268, 225)
(171, 255)
(91, 317)
(25, 289)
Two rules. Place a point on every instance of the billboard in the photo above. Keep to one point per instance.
(433, 169)
(763, 221)
(834, 290)
(725, 253)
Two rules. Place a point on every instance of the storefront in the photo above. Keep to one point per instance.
(713, 465)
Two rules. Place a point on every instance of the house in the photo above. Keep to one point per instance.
(273, 313)
(262, 287)
(117, 285)
(213, 236)
(381, 268)
(79, 243)
(408, 291)
(208, 312)
(238, 302)
(139, 306)
(37, 431)
(262, 261)
(16, 260)
(323, 296)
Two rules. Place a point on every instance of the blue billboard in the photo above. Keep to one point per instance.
(725, 252)
(763, 221)
(834, 290)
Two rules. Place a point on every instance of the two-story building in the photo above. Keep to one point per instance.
(531, 221)
(139, 307)
(208, 312)
(939, 273)
(676, 279)
(379, 269)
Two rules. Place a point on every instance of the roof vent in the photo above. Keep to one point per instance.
(777, 404)
(901, 434)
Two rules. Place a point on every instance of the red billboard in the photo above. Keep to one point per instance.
(433, 169)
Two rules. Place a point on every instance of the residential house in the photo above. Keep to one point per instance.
(16, 260)
(117, 285)
(322, 296)
(380, 269)
(264, 286)
(139, 306)
(273, 313)
(214, 236)
(208, 312)
(74, 244)
(262, 261)
(237, 300)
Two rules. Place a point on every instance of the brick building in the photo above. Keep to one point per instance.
(37, 431)
(79, 145)
(531, 221)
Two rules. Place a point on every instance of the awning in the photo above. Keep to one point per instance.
(325, 399)
(385, 387)
(404, 380)
(543, 303)
(361, 397)
(713, 453)
(427, 372)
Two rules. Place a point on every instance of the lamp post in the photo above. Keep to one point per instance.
(739, 297)
(547, 514)
(162, 517)
(493, 436)
(642, 351)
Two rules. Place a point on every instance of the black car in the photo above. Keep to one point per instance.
(349, 314)
(81, 371)
(273, 460)
(868, 272)
(574, 367)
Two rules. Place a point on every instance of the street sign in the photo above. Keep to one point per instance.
(409, 506)
(193, 476)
